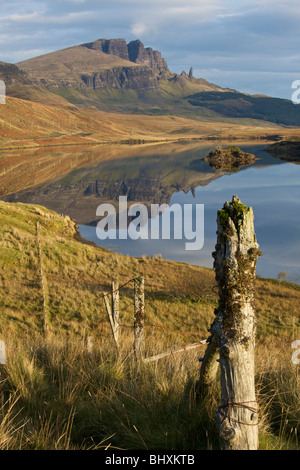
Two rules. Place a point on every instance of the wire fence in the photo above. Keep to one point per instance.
(117, 319)
(168, 323)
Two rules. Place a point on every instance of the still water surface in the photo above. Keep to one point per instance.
(270, 186)
(76, 181)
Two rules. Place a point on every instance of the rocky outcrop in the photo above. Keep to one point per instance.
(116, 47)
(11, 74)
(147, 56)
(134, 52)
(231, 158)
(144, 78)
(141, 79)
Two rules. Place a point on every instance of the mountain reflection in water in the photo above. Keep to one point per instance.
(177, 173)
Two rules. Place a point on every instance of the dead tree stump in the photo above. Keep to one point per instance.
(234, 328)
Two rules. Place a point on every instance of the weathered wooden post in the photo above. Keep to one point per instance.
(89, 344)
(233, 330)
(42, 277)
(209, 367)
(139, 316)
(111, 318)
(2, 353)
(115, 302)
(3, 372)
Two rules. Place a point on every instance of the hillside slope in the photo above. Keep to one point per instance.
(77, 273)
(240, 105)
(25, 123)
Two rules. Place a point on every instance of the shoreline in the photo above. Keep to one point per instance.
(84, 241)
(141, 142)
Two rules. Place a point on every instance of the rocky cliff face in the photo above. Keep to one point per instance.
(134, 52)
(11, 74)
(144, 78)
(116, 47)
(147, 56)
(141, 79)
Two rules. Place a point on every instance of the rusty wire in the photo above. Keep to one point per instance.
(229, 405)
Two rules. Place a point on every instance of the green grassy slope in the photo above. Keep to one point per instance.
(239, 105)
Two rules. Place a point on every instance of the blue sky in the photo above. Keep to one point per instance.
(252, 46)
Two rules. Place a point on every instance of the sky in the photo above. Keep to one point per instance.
(251, 46)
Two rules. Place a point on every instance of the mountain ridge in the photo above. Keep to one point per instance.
(117, 77)
(109, 64)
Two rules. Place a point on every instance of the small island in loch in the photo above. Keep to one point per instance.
(230, 158)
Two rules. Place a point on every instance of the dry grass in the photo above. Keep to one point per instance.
(68, 398)
(59, 396)
(29, 124)
(278, 384)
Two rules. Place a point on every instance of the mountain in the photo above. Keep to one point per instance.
(88, 66)
(117, 77)
(114, 76)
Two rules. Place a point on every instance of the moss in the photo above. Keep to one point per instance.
(241, 282)
(238, 210)
(233, 148)
(235, 210)
(223, 217)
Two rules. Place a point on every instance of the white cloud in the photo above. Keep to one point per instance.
(21, 17)
(153, 18)
(138, 29)
(41, 18)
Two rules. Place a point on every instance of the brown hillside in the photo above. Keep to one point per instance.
(29, 124)
(67, 65)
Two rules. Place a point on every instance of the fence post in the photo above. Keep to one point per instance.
(209, 367)
(115, 302)
(89, 344)
(139, 316)
(42, 277)
(235, 325)
(110, 316)
(2, 353)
